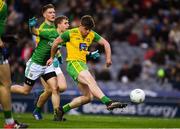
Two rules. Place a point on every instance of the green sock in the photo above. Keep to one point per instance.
(105, 100)
(7, 114)
(66, 108)
(38, 109)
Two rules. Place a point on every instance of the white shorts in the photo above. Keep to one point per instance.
(33, 71)
(58, 70)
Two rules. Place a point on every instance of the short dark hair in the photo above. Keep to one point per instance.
(45, 7)
(59, 19)
(87, 21)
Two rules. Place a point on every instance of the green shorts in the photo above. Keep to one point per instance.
(74, 68)
(3, 17)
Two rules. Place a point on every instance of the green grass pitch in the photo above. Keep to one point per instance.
(96, 121)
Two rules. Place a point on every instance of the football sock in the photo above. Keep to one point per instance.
(38, 109)
(8, 117)
(105, 100)
(66, 108)
(56, 111)
(7, 114)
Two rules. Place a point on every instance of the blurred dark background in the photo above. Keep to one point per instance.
(144, 36)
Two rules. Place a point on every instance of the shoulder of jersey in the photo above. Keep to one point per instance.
(42, 25)
(74, 30)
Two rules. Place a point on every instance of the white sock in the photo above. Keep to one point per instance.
(9, 121)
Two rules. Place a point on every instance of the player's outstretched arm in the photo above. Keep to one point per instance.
(54, 47)
(107, 49)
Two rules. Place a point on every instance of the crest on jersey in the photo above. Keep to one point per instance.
(83, 46)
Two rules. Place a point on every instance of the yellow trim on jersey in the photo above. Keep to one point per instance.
(37, 37)
(1, 4)
(41, 26)
(42, 29)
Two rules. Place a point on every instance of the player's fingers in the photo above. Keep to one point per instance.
(48, 63)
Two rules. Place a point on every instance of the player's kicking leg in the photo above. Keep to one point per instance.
(87, 81)
(116, 104)
(81, 100)
(87, 97)
(85, 77)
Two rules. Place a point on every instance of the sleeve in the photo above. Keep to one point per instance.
(97, 37)
(65, 36)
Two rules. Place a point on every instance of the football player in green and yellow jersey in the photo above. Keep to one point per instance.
(77, 42)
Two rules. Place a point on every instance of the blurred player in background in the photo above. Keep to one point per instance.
(5, 75)
(36, 66)
(77, 42)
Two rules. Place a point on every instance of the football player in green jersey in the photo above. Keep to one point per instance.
(61, 24)
(77, 42)
(36, 66)
(5, 75)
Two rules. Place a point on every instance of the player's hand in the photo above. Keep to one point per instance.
(108, 63)
(49, 62)
(94, 54)
(56, 63)
(32, 22)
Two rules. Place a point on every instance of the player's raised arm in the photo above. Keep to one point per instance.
(107, 49)
(32, 23)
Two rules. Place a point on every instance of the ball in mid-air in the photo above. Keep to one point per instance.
(137, 96)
